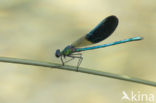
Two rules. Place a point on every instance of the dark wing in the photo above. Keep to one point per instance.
(104, 29)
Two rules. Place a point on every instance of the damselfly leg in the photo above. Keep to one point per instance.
(73, 56)
(63, 62)
(79, 56)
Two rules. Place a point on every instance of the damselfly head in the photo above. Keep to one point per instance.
(58, 53)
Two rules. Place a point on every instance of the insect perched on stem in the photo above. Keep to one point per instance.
(104, 29)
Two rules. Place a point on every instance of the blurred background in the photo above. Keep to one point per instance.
(34, 29)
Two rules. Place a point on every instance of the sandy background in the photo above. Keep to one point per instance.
(34, 29)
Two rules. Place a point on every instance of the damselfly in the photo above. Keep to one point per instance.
(104, 29)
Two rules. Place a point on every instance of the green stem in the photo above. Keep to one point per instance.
(72, 68)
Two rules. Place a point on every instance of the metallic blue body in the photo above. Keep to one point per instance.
(103, 30)
(109, 44)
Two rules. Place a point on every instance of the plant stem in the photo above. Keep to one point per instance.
(72, 68)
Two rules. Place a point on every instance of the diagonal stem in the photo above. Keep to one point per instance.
(72, 68)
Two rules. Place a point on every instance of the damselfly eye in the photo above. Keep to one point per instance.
(58, 53)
